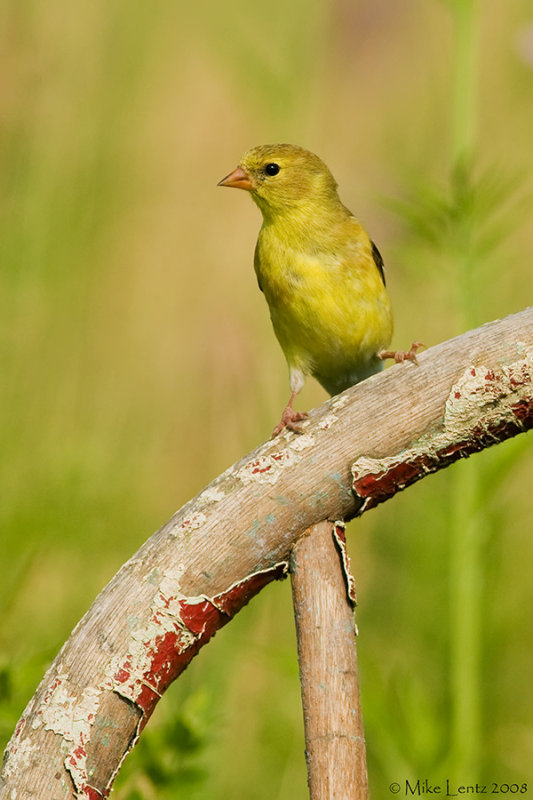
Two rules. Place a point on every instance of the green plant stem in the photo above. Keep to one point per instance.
(463, 142)
(464, 118)
(466, 575)
(467, 524)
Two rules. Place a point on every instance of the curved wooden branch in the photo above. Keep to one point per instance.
(222, 547)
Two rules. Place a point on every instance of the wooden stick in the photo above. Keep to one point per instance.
(220, 549)
(323, 610)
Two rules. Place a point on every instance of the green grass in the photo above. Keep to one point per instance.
(137, 360)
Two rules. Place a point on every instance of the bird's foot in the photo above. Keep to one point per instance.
(288, 420)
(402, 355)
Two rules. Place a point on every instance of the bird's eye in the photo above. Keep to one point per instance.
(272, 169)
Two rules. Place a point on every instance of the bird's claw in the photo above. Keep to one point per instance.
(288, 420)
(400, 356)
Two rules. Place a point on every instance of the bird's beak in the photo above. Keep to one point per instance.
(238, 179)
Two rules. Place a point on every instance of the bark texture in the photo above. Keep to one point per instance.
(322, 590)
(222, 547)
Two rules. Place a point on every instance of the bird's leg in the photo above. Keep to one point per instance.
(290, 417)
(402, 355)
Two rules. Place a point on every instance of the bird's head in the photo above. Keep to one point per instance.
(282, 178)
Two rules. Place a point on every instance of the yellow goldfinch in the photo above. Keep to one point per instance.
(321, 274)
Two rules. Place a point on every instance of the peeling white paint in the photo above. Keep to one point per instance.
(283, 566)
(71, 717)
(480, 389)
(169, 594)
(153, 576)
(68, 715)
(190, 523)
(210, 495)
(302, 442)
(268, 468)
(21, 755)
(339, 534)
(340, 402)
(127, 671)
(483, 398)
(327, 421)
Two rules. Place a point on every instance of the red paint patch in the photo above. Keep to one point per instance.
(376, 487)
(19, 727)
(172, 652)
(523, 410)
(76, 759)
(169, 661)
(51, 689)
(122, 674)
(237, 596)
(92, 794)
(196, 615)
(262, 465)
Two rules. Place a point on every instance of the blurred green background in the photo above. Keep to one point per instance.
(137, 359)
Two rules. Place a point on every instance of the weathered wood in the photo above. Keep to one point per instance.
(323, 611)
(223, 546)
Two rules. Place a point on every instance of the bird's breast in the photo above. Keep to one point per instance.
(286, 274)
(330, 314)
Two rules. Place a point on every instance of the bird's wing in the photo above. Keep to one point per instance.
(376, 255)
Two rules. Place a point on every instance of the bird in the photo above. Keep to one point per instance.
(320, 272)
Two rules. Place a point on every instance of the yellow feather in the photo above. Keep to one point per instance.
(317, 268)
